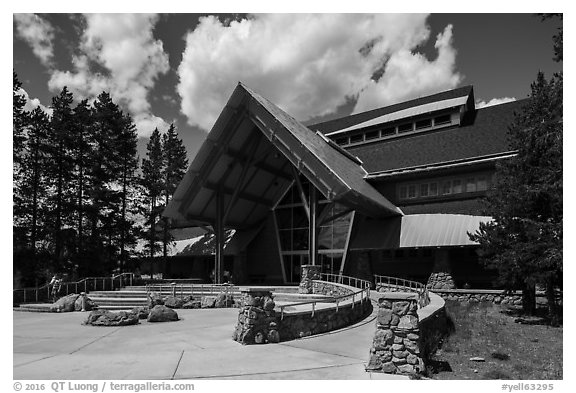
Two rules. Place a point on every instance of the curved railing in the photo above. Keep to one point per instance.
(395, 284)
(363, 294)
(176, 288)
(43, 293)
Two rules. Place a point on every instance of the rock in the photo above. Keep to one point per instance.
(400, 308)
(273, 336)
(154, 299)
(374, 364)
(412, 359)
(412, 346)
(384, 316)
(412, 336)
(192, 304)
(395, 320)
(269, 304)
(383, 303)
(109, 318)
(161, 313)
(406, 369)
(207, 301)
(223, 300)
(187, 298)
(173, 302)
(65, 304)
(400, 354)
(398, 340)
(477, 359)
(141, 312)
(389, 368)
(397, 347)
(89, 305)
(259, 338)
(408, 322)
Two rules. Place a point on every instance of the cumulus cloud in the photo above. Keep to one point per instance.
(33, 103)
(38, 33)
(494, 101)
(124, 46)
(409, 75)
(311, 64)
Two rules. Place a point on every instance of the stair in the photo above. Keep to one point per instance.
(135, 296)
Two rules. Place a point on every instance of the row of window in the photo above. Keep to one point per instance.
(422, 124)
(442, 187)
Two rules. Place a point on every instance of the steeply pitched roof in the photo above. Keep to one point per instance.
(245, 164)
(352, 120)
(483, 133)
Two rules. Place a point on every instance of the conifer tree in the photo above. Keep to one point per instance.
(152, 182)
(524, 242)
(175, 165)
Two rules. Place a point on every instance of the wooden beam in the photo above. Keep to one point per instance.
(347, 244)
(245, 166)
(240, 157)
(296, 176)
(219, 231)
(241, 195)
(313, 227)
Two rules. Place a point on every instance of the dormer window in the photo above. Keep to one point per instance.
(444, 119)
(426, 123)
(406, 127)
(372, 135)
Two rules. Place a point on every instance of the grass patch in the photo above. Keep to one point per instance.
(512, 350)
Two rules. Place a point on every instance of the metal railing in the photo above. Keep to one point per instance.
(363, 294)
(43, 293)
(403, 284)
(200, 289)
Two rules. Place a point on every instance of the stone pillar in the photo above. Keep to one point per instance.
(257, 320)
(308, 274)
(441, 277)
(395, 348)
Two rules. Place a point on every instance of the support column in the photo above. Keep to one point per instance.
(441, 277)
(313, 227)
(308, 274)
(257, 320)
(219, 233)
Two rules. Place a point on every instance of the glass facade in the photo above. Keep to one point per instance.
(334, 222)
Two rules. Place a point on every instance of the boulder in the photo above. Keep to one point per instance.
(208, 301)
(154, 299)
(109, 318)
(224, 300)
(192, 304)
(173, 302)
(141, 312)
(90, 305)
(161, 313)
(65, 304)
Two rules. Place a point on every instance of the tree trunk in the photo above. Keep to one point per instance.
(529, 299)
(553, 308)
(58, 237)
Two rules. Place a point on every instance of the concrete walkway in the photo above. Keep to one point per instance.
(200, 345)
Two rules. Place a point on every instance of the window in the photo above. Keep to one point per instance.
(342, 141)
(426, 123)
(412, 191)
(470, 184)
(457, 186)
(403, 192)
(388, 131)
(372, 135)
(405, 127)
(356, 138)
(481, 183)
(424, 190)
(446, 187)
(444, 119)
(433, 189)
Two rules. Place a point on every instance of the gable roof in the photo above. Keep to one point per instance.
(248, 159)
(482, 133)
(365, 117)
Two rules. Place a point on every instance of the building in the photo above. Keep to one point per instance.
(393, 191)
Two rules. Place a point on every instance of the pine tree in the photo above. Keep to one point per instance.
(152, 181)
(61, 170)
(19, 121)
(524, 242)
(175, 165)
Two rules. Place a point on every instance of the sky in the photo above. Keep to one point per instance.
(181, 68)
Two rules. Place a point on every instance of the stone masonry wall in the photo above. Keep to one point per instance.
(395, 348)
(440, 280)
(309, 273)
(257, 320)
(330, 289)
